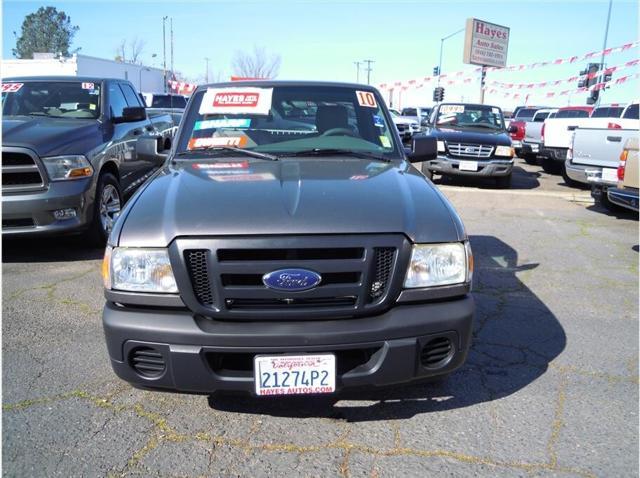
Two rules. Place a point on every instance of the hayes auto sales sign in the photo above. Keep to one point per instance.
(486, 43)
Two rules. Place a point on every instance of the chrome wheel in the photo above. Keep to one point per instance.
(109, 207)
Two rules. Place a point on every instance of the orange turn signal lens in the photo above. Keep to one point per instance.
(106, 268)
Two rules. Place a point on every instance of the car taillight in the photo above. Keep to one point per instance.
(613, 126)
(623, 162)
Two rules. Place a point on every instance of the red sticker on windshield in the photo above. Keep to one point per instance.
(236, 99)
(11, 87)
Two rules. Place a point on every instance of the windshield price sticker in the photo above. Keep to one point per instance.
(223, 123)
(366, 98)
(11, 87)
(88, 86)
(295, 374)
(255, 101)
(451, 109)
(225, 165)
(195, 143)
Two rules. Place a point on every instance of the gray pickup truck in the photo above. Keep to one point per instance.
(287, 246)
(68, 153)
(594, 152)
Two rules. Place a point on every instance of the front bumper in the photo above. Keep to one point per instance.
(192, 346)
(625, 197)
(486, 167)
(31, 213)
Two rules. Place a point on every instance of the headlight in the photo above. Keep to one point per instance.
(439, 264)
(67, 167)
(138, 270)
(441, 148)
(505, 151)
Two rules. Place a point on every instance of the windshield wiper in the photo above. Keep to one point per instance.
(210, 150)
(337, 152)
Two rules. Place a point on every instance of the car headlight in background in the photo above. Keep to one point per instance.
(67, 167)
(505, 151)
(439, 264)
(138, 270)
(441, 148)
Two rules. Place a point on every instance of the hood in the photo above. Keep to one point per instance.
(51, 136)
(471, 135)
(290, 196)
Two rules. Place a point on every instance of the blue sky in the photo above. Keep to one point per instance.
(321, 39)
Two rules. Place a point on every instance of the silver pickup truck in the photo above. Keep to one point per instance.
(532, 142)
(594, 152)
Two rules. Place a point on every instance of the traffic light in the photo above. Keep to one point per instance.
(438, 94)
(583, 80)
(592, 79)
(593, 97)
(436, 71)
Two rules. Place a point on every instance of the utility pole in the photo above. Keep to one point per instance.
(604, 47)
(368, 69)
(357, 63)
(483, 77)
(164, 54)
(206, 73)
(171, 28)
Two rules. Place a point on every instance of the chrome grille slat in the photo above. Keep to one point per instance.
(21, 170)
(468, 150)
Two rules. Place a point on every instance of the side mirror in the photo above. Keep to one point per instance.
(423, 148)
(131, 114)
(512, 129)
(148, 149)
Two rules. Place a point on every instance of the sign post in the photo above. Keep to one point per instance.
(485, 44)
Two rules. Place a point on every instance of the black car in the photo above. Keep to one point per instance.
(282, 251)
(472, 141)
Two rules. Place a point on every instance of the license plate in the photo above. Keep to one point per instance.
(516, 144)
(610, 175)
(535, 148)
(468, 165)
(294, 374)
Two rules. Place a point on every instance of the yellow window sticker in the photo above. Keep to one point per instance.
(385, 141)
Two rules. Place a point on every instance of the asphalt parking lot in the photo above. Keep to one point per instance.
(550, 387)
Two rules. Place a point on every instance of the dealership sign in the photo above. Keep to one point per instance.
(486, 43)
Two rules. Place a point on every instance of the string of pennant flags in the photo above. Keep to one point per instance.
(461, 77)
(552, 94)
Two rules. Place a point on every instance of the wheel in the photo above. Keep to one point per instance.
(570, 182)
(608, 205)
(106, 209)
(550, 166)
(424, 167)
(530, 158)
(504, 182)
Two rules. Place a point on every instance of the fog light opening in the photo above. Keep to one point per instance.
(68, 213)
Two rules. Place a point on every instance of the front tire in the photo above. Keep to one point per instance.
(530, 158)
(106, 209)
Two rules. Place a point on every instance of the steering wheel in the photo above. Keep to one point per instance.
(339, 132)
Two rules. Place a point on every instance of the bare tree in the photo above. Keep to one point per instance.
(121, 53)
(136, 46)
(257, 64)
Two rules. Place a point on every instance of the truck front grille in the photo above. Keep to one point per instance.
(466, 150)
(225, 275)
(20, 171)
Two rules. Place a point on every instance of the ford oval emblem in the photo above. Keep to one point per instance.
(291, 280)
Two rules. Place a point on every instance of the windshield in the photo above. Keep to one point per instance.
(572, 114)
(472, 116)
(57, 99)
(607, 112)
(168, 101)
(288, 119)
(526, 114)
